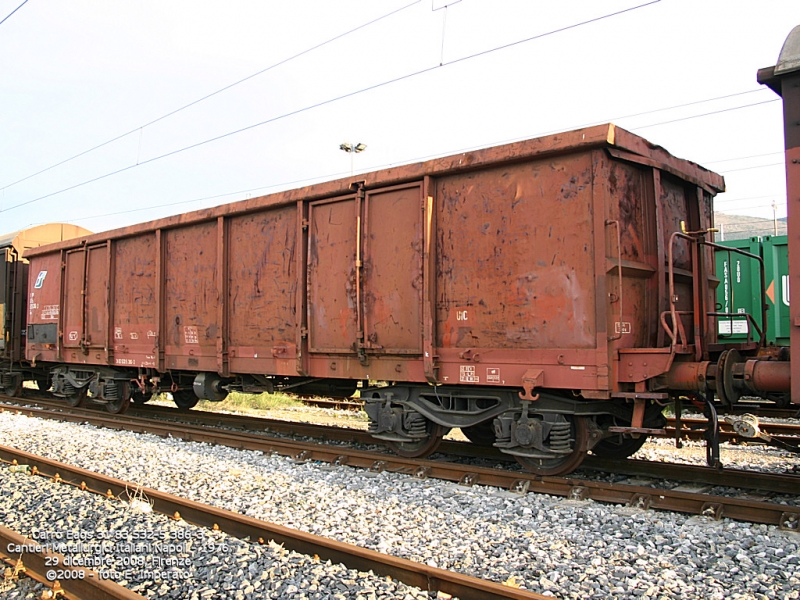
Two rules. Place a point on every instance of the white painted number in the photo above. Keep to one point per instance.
(467, 374)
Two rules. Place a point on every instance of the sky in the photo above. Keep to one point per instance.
(411, 80)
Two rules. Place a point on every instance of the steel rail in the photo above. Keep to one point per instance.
(762, 409)
(354, 557)
(691, 428)
(37, 560)
(572, 487)
(737, 478)
(768, 482)
(777, 483)
(774, 412)
(260, 425)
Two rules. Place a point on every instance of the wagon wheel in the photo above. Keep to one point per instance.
(422, 447)
(140, 397)
(481, 434)
(621, 445)
(15, 389)
(76, 398)
(783, 400)
(618, 445)
(563, 464)
(119, 406)
(185, 399)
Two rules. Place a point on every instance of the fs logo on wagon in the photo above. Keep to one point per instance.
(40, 280)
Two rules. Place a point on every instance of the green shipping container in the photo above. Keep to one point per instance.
(739, 290)
(775, 251)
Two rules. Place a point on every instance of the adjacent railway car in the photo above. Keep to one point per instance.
(739, 291)
(14, 368)
(547, 297)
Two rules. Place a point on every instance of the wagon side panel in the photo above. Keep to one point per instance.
(632, 253)
(393, 284)
(516, 274)
(262, 288)
(516, 257)
(191, 297)
(135, 301)
(685, 207)
(86, 305)
(97, 302)
(73, 309)
(44, 308)
(333, 281)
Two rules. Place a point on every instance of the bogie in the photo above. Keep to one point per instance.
(549, 436)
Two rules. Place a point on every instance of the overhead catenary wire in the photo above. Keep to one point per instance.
(217, 196)
(212, 94)
(779, 164)
(714, 162)
(330, 175)
(307, 180)
(341, 174)
(726, 199)
(623, 117)
(726, 211)
(696, 102)
(12, 12)
(750, 220)
(327, 102)
(746, 221)
(715, 112)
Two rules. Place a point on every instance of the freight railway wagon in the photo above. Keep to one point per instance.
(547, 297)
(14, 369)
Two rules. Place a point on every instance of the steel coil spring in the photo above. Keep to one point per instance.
(415, 424)
(111, 391)
(560, 437)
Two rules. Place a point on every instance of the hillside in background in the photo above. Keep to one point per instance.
(737, 227)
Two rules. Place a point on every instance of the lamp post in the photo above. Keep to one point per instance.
(352, 149)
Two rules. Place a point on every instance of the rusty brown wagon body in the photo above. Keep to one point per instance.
(539, 295)
(14, 368)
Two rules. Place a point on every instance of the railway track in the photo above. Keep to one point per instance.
(762, 409)
(771, 411)
(691, 428)
(643, 496)
(89, 585)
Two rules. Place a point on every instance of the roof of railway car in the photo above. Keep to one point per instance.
(40, 235)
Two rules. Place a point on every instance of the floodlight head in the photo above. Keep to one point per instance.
(359, 147)
(347, 147)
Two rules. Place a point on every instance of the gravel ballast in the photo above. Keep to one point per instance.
(158, 557)
(548, 545)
